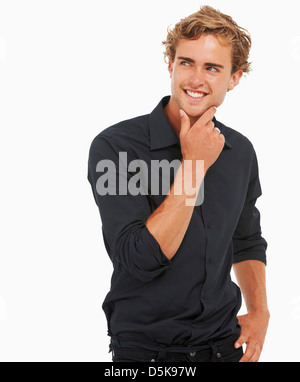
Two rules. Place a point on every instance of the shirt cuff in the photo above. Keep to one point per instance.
(261, 256)
(154, 248)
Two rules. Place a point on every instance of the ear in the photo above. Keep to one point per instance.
(235, 79)
(170, 68)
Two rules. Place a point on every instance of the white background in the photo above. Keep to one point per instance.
(69, 69)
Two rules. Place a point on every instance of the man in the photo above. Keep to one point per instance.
(171, 296)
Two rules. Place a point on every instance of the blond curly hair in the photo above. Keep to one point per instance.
(211, 21)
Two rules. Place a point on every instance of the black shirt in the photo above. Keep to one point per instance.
(189, 299)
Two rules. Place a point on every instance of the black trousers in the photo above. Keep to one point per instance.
(213, 351)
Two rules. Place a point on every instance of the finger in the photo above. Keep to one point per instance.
(210, 125)
(255, 356)
(248, 353)
(222, 138)
(208, 115)
(185, 122)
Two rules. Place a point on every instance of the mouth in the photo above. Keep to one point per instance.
(194, 95)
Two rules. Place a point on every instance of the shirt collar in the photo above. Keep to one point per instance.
(161, 132)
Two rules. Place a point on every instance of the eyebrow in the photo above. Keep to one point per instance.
(206, 64)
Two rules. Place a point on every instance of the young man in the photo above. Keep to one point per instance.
(171, 296)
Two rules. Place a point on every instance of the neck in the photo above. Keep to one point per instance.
(172, 113)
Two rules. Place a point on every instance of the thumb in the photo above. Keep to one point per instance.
(243, 337)
(185, 122)
(240, 341)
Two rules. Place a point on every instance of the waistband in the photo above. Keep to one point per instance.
(160, 352)
(120, 342)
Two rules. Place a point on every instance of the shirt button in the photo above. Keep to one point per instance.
(211, 260)
(209, 225)
(193, 354)
(152, 360)
(219, 355)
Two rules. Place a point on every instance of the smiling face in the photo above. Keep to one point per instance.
(201, 75)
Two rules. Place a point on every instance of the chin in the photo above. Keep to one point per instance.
(196, 113)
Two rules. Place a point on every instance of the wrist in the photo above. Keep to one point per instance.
(201, 163)
(261, 311)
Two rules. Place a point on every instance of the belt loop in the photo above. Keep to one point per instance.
(162, 353)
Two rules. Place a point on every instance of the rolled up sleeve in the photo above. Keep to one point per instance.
(127, 239)
(248, 243)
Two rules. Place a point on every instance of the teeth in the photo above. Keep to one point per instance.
(195, 95)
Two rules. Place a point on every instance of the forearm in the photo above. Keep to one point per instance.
(251, 277)
(169, 222)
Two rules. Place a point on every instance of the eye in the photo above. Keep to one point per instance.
(184, 62)
(212, 69)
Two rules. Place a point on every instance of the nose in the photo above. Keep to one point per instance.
(197, 78)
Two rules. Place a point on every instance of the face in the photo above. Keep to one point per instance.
(201, 75)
